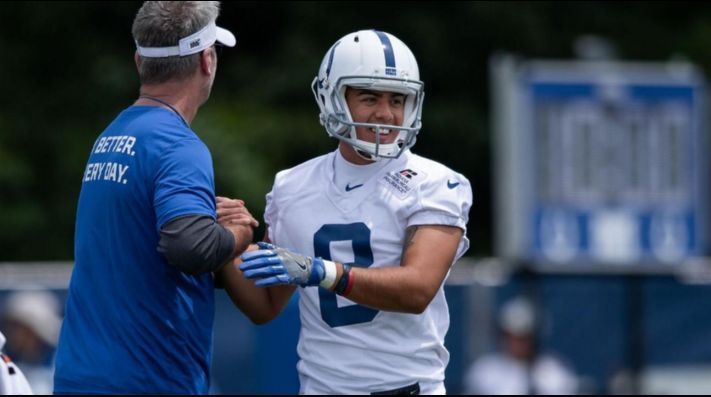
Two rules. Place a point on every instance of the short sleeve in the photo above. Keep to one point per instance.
(271, 210)
(184, 183)
(444, 201)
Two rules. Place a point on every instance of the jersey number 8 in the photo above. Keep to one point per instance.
(359, 236)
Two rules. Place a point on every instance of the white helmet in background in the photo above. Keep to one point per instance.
(372, 60)
(518, 317)
(37, 310)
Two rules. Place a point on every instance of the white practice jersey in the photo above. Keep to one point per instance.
(345, 348)
(12, 380)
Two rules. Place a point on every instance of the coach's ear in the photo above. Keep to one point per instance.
(137, 59)
(208, 61)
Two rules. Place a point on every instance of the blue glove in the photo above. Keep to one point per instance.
(272, 265)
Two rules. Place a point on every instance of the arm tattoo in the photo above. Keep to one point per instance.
(409, 236)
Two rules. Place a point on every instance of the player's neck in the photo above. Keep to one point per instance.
(348, 173)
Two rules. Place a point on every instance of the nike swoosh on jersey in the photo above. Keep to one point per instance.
(452, 185)
(349, 188)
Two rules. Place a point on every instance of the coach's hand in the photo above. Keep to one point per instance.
(234, 216)
(271, 265)
(233, 211)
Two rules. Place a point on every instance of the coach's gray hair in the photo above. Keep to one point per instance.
(163, 24)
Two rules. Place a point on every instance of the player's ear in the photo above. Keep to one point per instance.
(137, 59)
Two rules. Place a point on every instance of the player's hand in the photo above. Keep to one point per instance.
(271, 265)
(234, 212)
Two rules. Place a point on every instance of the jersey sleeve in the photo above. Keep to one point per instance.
(270, 215)
(184, 183)
(444, 201)
(271, 211)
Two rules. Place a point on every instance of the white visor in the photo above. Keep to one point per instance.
(192, 44)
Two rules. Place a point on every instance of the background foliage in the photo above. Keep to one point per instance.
(68, 69)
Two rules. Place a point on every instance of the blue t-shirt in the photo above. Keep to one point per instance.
(134, 323)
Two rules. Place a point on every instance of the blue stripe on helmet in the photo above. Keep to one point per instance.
(389, 54)
(330, 58)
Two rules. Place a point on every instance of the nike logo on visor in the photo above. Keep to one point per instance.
(452, 185)
(349, 188)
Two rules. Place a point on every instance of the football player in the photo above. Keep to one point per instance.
(366, 233)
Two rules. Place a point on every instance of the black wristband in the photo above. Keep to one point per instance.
(343, 282)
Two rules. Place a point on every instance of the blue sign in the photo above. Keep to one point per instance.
(615, 167)
(608, 157)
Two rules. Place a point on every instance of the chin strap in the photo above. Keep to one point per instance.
(365, 156)
(372, 157)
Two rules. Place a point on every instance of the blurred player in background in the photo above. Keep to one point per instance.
(519, 368)
(139, 315)
(12, 381)
(368, 232)
(30, 321)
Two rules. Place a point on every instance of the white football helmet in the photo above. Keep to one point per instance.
(373, 60)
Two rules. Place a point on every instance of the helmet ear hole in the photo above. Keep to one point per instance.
(356, 39)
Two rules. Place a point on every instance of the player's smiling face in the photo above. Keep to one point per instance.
(375, 107)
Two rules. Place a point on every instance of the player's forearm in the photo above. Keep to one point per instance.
(393, 288)
(278, 298)
(260, 305)
(428, 252)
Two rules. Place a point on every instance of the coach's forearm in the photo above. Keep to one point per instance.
(196, 244)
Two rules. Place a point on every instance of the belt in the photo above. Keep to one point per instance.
(411, 390)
